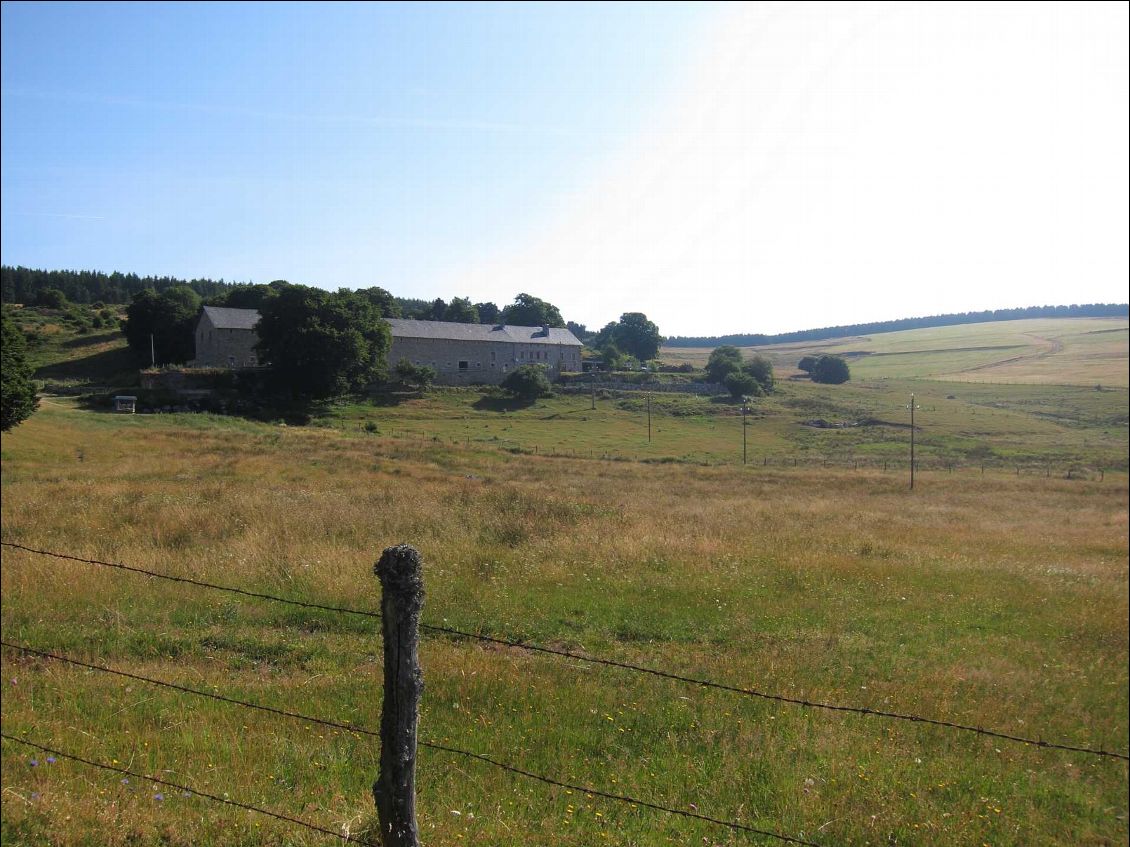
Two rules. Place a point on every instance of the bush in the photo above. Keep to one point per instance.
(414, 376)
(742, 384)
(831, 370)
(527, 382)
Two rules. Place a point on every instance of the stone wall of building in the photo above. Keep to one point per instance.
(459, 362)
(225, 348)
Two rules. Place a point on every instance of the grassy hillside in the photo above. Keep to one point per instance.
(77, 346)
(997, 601)
(1061, 351)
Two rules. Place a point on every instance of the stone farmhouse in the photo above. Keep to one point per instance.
(477, 354)
(225, 338)
(461, 354)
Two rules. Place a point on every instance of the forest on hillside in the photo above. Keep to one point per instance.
(1089, 310)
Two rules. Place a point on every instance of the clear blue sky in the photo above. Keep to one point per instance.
(803, 164)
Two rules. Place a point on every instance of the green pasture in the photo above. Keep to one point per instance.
(996, 601)
(1065, 351)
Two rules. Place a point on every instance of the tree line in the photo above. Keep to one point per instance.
(1089, 310)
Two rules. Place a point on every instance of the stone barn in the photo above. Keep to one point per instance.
(477, 354)
(226, 338)
(462, 354)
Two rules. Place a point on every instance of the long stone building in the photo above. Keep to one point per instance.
(482, 354)
(461, 354)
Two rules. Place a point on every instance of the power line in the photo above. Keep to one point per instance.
(596, 660)
(226, 800)
(429, 744)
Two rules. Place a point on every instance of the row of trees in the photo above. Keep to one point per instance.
(830, 370)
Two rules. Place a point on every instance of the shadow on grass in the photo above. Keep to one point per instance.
(502, 404)
(106, 367)
(389, 397)
(89, 340)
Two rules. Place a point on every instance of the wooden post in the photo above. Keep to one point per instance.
(402, 598)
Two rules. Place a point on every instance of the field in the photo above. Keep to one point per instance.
(992, 599)
(1065, 351)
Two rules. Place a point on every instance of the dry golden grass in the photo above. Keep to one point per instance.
(990, 600)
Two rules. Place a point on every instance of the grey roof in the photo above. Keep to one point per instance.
(224, 318)
(404, 328)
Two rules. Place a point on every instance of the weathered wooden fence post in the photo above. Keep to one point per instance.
(402, 598)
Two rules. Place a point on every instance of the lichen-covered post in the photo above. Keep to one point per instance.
(402, 587)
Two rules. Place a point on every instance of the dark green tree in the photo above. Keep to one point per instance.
(167, 320)
(489, 313)
(461, 311)
(527, 310)
(635, 335)
(17, 391)
(436, 310)
(321, 345)
(245, 296)
(527, 382)
(51, 298)
(382, 299)
(579, 330)
(807, 363)
(831, 370)
(723, 360)
(761, 369)
(742, 384)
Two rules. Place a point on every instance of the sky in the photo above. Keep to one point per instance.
(720, 167)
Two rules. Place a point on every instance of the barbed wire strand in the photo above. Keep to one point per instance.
(360, 730)
(226, 800)
(596, 660)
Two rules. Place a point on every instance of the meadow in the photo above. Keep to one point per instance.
(992, 600)
(1055, 351)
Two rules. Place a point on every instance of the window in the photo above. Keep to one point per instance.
(463, 364)
(478, 364)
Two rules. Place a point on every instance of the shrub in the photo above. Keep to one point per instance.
(414, 376)
(742, 384)
(527, 382)
(831, 370)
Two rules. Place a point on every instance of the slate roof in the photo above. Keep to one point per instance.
(405, 328)
(224, 318)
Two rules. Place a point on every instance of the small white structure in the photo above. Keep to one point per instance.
(125, 403)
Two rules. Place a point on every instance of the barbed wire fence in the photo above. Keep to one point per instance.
(460, 635)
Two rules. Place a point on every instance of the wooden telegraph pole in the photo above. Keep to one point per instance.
(649, 417)
(402, 598)
(912, 406)
(745, 423)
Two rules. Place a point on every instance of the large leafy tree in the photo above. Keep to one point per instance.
(461, 311)
(527, 310)
(167, 321)
(635, 335)
(489, 313)
(322, 345)
(383, 300)
(17, 391)
(723, 361)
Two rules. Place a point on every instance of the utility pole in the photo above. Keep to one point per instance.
(912, 406)
(593, 386)
(649, 417)
(745, 423)
(152, 351)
